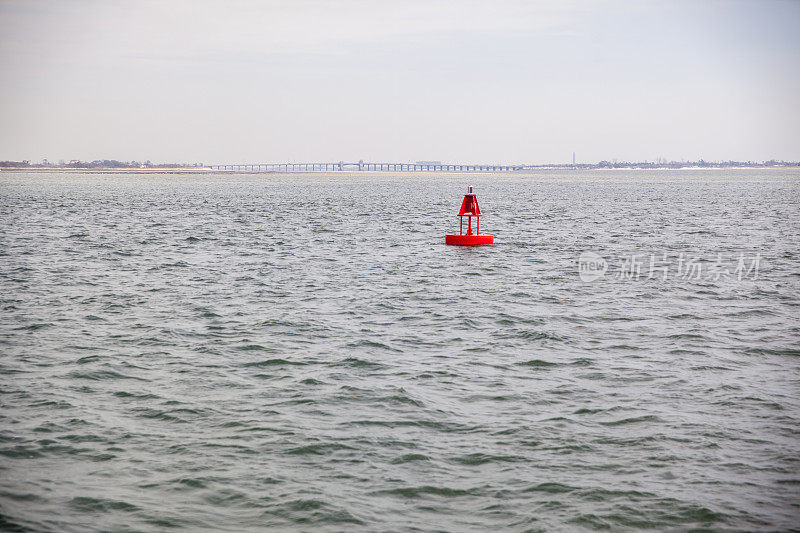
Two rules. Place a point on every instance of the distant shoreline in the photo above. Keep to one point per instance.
(206, 170)
(110, 170)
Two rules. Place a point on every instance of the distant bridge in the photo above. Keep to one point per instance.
(341, 166)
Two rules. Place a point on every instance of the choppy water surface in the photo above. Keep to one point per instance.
(233, 352)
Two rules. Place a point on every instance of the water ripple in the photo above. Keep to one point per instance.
(235, 353)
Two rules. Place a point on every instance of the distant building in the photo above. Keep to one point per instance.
(428, 162)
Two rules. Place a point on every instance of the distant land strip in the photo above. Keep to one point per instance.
(114, 166)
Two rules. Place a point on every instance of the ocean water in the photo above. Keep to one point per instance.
(302, 352)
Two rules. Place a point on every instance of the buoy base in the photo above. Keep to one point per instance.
(468, 240)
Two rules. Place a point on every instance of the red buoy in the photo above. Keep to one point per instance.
(469, 209)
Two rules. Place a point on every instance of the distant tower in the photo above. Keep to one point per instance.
(573, 159)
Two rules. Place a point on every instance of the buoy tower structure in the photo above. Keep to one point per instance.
(469, 209)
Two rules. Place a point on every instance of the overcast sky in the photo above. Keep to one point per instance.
(467, 81)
